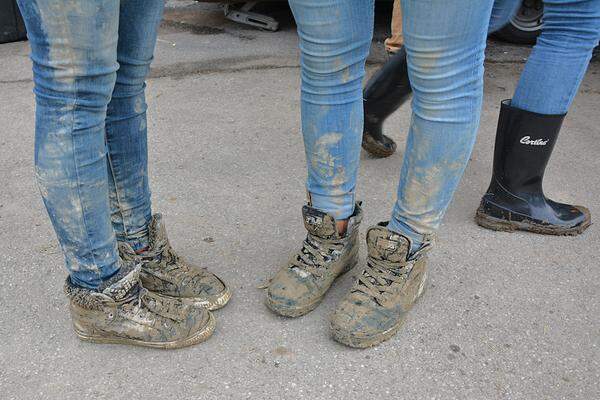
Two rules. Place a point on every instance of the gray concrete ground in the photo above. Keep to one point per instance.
(506, 316)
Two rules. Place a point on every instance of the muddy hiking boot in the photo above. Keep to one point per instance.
(299, 287)
(515, 199)
(166, 273)
(121, 311)
(374, 309)
(384, 93)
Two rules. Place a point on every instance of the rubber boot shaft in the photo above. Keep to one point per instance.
(524, 144)
(385, 92)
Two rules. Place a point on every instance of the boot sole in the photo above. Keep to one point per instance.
(210, 304)
(202, 335)
(496, 224)
(370, 341)
(294, 312)
(375, 150)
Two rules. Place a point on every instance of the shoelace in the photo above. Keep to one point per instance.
(136, 304)
(145, 306)
(174, 266)
(312, 258)
(379, 277)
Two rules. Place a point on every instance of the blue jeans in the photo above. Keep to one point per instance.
(90, 60)
(445, 54)
(558, 62)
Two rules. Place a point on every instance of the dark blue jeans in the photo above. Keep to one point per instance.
(90, 60)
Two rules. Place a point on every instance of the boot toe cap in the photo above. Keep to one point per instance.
(290, 294)
(358, 320)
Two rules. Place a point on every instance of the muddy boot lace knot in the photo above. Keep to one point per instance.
(380, 278)
(150, 306)
(316, 254)
(175, 266)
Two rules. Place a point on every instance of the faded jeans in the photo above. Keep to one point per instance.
(558, 61)
(90, 60)
(445, 52)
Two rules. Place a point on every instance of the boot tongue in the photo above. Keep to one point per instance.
(123, 284)
(318, 223)
(386, 245)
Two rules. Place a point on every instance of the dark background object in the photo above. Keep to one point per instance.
(12, 27)
(526, 25)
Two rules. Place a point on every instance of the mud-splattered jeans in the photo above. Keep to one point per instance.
(445, 42)
(90, 59)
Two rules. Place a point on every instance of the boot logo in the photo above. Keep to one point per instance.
(537, 142)
(313, 220)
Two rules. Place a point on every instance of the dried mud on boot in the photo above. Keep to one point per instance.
(126, 313)
(168, 274)
(384, 292)
(378, 148)
(529, 225)
(300, 286)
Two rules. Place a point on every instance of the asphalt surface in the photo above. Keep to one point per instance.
(505, 315)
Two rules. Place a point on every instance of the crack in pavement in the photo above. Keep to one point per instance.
(184, 69)
(230, 65)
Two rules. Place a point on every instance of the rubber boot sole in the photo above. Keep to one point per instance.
(497, 224)
(199, 337)
(294, 312)
(364, 342)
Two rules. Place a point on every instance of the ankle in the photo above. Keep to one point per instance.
(342, 227)
(417, 240)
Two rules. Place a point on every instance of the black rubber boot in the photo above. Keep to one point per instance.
(515, 199)
(387, 90)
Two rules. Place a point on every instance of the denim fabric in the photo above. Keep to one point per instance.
(502, 12)
(90, 59)
(558, 61)
(445, 52)
(335, 38)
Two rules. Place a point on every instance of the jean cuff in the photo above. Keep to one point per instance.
(91, 279)
(138, 241)
(340, 207)
(417, 239)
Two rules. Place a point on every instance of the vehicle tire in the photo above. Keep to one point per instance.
(526, 25)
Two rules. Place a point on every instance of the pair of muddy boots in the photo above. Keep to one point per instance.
(515, 199)
(384, 289)
(155, 300)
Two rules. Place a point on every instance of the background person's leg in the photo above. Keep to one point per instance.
(558, 61)
(74, 53)
(445, 60)
(126, 127)
(335, 38)
(529, 125)
(394, 42)
(389, 87)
